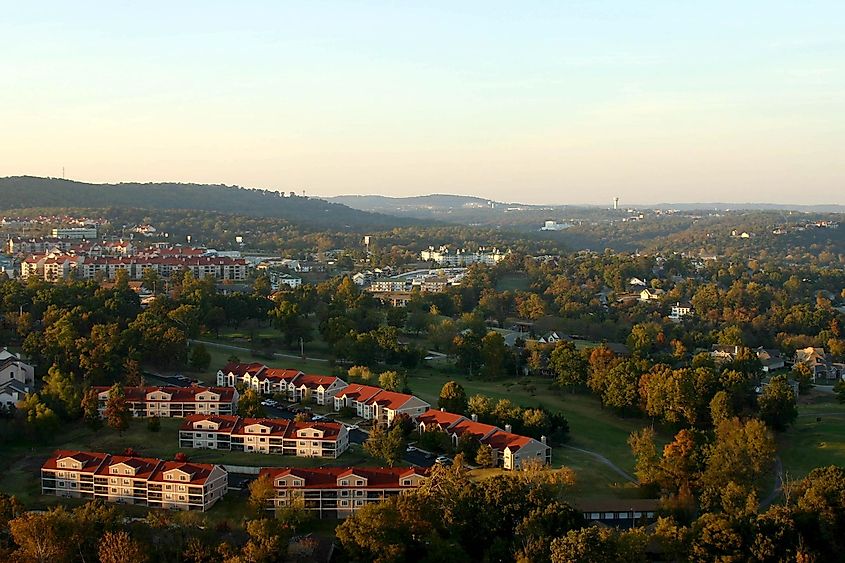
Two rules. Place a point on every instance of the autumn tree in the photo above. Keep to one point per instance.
(569, 365)
(117, 413)
(91, 409)
(452, 397)
(387, 445)
(119, 547)
(393, 381)
(261, 491)
(249, 404)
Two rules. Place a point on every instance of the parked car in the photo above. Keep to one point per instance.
(443, 460)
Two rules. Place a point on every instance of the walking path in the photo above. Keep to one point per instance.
(605, 461)
(244, 349)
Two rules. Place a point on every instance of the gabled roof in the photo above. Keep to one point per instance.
(327, 477)
(277, 374)
(471, 428)
(177, 394)
(390, 399)
(361, 393)
(225, 422)
(241, 369)
(143, 466)
(198, 472)
(500, 440)
(313, 381)
(442, 418)
(91, 461)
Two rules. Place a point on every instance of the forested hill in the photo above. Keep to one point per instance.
(20, 192)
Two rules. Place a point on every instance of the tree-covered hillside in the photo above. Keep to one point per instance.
(20, 192)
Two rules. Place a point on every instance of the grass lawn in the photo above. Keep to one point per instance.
(220, 357)
(591, 427)
(517, 281)
(810, 443)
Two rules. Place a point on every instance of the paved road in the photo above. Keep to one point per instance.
(243, 349)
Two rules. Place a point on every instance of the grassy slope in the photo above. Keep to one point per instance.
(810, 443)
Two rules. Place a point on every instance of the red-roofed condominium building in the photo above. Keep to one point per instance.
(296, 386)
(509, 449)
(175, 401)
(374, 403)
(337, 492)
(133, 480)
(264, 435)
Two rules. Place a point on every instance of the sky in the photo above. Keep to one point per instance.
(538, 102)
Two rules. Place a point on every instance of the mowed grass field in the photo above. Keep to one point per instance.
(591, 427)
(817, 438)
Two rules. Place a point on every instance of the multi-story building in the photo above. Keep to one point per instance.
(337, 492)
(375, 403)
(295, 385)
(89, 232)
(133, 480)
(169, 401)
(509, 449)
(17, 378)
(264, 435)
(445, 256)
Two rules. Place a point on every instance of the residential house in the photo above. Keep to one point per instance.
(337, 492)
(12, 392)
(133, 480)
(12, 368)
(771, 359)
(264, 435)
(680, 310)
(650, 294)
(821, 364)
(169, 401)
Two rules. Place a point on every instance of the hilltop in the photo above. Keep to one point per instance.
(21, 192)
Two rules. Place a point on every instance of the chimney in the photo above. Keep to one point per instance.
(508, 428)
(474, 417)
(543, 439)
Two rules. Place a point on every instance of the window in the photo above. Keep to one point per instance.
(359, 482)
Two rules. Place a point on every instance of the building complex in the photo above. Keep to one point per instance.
(171, 401)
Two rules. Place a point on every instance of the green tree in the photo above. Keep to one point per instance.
(777, 404)
(61, 392)
(453, 398)
(387, 445)
(569, 365)
(40, 418)
(200, 358)
(494, 354)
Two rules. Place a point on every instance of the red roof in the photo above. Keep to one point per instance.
(441, 418)
(233, 424)
(327, 477)
(199, 472)
(280, 374)
(361, 393)
(390, 399)
(472, 428)
(313, 381)
(177, 394)
(241, 369)
(91, 461)
(144, 466)
(501, 440)
(226, 423)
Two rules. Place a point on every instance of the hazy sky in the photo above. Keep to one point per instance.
(559, 102)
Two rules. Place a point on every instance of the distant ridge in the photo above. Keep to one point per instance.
(449, 201)
(19, 192)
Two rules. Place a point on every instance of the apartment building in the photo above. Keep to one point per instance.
(133, 480)
(264, 435)
(509, 449)
(170, 401)
(296, 386)
(375, 403)
(337, 492)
